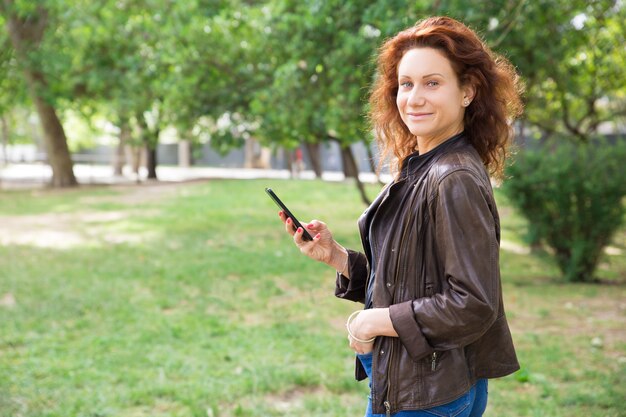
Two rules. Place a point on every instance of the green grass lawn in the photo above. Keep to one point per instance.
(190, 300)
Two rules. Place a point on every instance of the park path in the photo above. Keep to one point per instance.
(31, 175)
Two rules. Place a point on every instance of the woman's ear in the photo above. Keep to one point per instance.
(468, 94)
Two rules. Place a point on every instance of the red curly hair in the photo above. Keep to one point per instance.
(488, 120)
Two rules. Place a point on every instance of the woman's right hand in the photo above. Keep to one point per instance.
(322, 248)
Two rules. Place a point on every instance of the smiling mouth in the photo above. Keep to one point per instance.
(418, 115)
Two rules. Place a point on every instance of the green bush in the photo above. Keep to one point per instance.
(572, 197)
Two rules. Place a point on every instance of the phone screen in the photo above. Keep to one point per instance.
(296, 223)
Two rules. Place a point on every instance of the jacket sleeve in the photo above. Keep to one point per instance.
(466, 242)
(353, 288)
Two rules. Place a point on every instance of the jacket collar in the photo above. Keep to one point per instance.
(414, 162)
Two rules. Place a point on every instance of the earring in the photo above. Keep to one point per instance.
(466, 103)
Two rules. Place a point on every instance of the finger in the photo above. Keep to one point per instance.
(315, 225)
(284, 218)
(362, 347)
(298, 237)
(306, 246)
(289, 226)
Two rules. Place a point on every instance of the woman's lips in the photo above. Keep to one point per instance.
(418, 116)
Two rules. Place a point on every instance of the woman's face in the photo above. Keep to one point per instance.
(430, 100)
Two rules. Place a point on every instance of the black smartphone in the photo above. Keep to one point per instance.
(296, 223)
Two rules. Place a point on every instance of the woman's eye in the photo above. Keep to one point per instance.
(406, 84)
(432, 83)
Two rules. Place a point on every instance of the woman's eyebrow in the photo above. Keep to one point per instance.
(434, 73)
(423, 76)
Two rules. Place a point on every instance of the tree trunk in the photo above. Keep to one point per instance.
(370, 159)
(348, 163)
(150, 141)
(313, 149)
(120, 160)
(184, 153)
(151, 161)
(288, 160)
(351, 170)
(248, 153)
(133, 154)
(56, 145)
(255, 155)
(26, 34)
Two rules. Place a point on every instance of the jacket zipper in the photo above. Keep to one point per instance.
(389, 379)
(363, 238)
(433, 364)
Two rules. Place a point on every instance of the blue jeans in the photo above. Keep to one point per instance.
(470, 404)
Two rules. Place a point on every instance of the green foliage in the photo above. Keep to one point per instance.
(300, 71)
(570, 57)
(12, 90)
(572, 196)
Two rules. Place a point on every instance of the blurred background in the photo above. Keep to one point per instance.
(141, 84)
(141, 292)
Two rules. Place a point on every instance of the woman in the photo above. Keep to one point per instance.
(433, 329)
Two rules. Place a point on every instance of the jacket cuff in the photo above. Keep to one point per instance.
(403, 321)
(353, 288)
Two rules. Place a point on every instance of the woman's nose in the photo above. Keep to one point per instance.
(415, 98)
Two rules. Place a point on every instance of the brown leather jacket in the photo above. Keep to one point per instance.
(439, 275)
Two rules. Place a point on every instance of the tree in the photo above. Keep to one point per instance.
(571, 59)
(26, 25)
(573, 197)
(123, 67)
(210, 76)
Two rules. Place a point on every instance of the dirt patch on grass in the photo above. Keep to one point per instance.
(293, 399)
(86, 227)
(292, 402)
(67, 230)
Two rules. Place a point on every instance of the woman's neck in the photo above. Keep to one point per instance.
(427, 144)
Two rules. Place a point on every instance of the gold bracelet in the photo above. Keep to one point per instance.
(350, 331)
